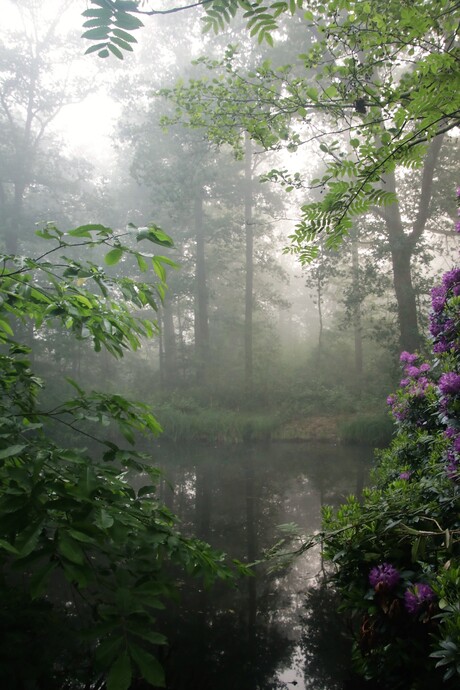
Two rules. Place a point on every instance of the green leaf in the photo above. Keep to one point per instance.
(96, 34)
(150, 668)
(127, 21)
(124, 35)
(70, 549)
(116, 51)
(86, 230)
(114, 256)
(155, 235)
(12, 451)
(8, 547)
(5, 326)
(120, 673)
(142, 263)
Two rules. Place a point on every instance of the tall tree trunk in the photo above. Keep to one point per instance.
(357, 324)
(249, 287)
(169, 345)
(201, 294)
(319, 297)
(402, 247)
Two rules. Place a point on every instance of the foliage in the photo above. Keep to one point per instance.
(214, 425)
(374, 430)
(397, 554)
(384, 75)
(82, 554)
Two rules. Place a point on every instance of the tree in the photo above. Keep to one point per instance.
(394, 71)
(32, 94)
(73, 528)
(279, 108)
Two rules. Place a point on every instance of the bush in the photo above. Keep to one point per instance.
(85, 560)
(397, 554)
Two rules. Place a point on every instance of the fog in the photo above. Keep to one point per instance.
(244, 341)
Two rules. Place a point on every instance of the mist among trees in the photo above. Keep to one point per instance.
(221, 224)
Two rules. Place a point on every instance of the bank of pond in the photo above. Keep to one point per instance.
(191, 423)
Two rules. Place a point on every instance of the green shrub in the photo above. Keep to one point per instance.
(397, 553)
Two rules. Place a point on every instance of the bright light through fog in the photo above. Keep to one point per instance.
(87, 127)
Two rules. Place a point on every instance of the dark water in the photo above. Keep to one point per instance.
(278, 630)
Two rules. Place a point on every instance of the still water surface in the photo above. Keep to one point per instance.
(277, 630)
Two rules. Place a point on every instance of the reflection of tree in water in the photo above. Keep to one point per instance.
(324, 643)
(215, 647)
(235, 498)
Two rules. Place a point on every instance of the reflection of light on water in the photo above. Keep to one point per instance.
(293, 677)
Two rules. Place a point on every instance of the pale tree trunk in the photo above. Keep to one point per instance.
(249, 286)
(201, 294)
(169, 346)
(357, 321)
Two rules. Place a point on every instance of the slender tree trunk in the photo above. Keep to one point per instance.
(319, 297)
(357, 324)
(14, 224)
(169, 345)
(401, 254)
(201, 294)
(249, 287)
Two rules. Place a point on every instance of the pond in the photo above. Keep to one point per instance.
(279, 629)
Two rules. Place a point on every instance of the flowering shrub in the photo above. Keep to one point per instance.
(397, 553)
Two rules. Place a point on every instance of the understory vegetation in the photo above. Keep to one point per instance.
(397, 552)
(85, 560)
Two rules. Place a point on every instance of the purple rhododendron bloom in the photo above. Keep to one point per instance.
(425, 367)
(449, 383)
(391, 400)
(384, 576)
(405, 475)
(457, 444)
(417, 596)
(452, 465)
(412, 371)
(438, 298)
(407, 357)
(440, 347)
(451, 278)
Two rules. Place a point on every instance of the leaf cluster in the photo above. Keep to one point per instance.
(81, 537)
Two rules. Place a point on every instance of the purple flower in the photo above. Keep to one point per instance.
(449, 383)
(451, 278)
(452, 465)
(440, 347)
(384, 577)
(391, 400)
(407, 357)
(438, 298)
(425, 367)
(458, 193)
(417, 596)
(412, 371)
(405, 475)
